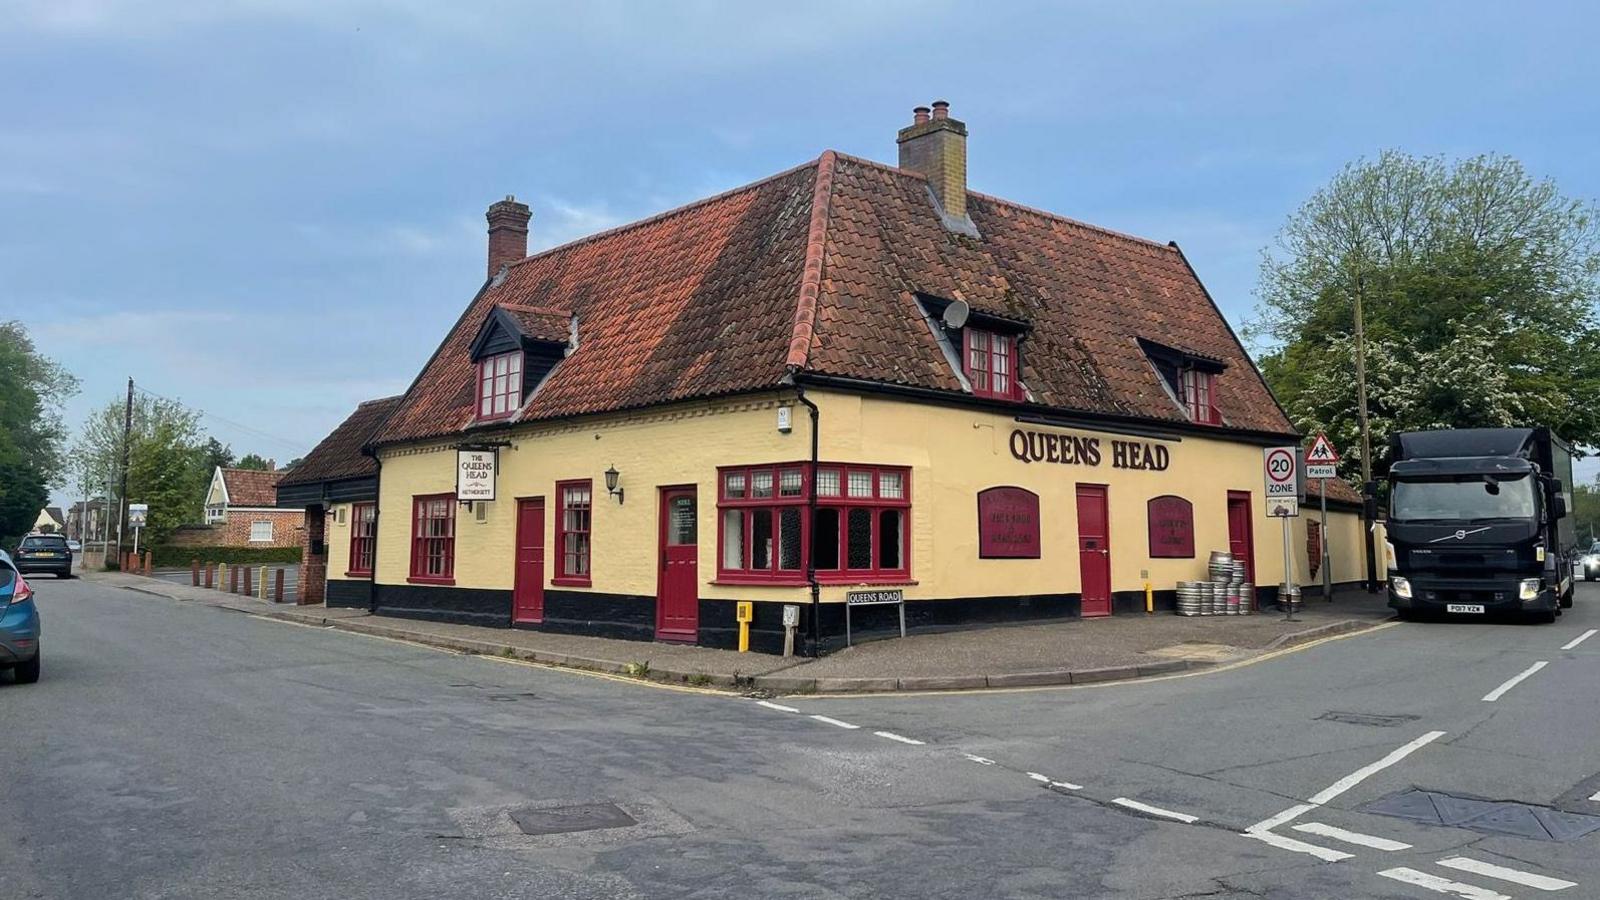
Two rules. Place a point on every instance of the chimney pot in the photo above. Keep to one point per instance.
(508, 232)
(936, 148)
(919, 116)
(941, 109)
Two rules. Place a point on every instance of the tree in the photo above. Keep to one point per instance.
(1478, 286)
(32, 390)
(252, 461)
(168, 464)
(217, 454)
(1586, 513)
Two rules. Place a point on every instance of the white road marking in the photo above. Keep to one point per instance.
(1156, 810)
(1289, 843)
(898, 737)
(1596, 797)
(1037, 777)
(1515, 876)
(1351, 837)
(1441, 885)
(1572, 644)
(777, 706)
(1067, 784)
(980, 760)
(826, 720)
(1500, 691)
(1287, 815)
(1365, 772)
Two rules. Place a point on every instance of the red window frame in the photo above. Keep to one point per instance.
(499, 389)
(577, 534)
(363, 539)
(1199, 396)
(433, 539)
(989, 360)
(874, 494)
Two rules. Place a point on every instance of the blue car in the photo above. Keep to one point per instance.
(19, 624)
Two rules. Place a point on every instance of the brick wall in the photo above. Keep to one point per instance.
(288, 527)
(313, 566)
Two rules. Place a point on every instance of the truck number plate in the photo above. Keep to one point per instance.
(1464, 608)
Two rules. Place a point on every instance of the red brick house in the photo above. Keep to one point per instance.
(241, 511)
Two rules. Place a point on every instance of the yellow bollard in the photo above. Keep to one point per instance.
(1149, 600)
(744, 611)
(263, 583)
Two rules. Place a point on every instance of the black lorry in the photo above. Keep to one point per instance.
(1479, 522)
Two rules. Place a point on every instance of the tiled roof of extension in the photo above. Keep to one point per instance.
(818, 268)
(251, 487)
(339, 454)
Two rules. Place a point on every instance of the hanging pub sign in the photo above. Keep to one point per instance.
(1171, 527)
(1008, 523)
(475, 471)
(1077, 450)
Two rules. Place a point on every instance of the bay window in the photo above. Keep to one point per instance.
(859, 532)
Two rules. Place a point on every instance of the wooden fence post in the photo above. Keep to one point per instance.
(194, 572)
(149, 563)
(277, 587)
(211, 569)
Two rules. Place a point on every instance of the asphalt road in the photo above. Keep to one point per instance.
(178, 750)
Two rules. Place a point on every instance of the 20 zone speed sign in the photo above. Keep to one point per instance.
(1280, 465)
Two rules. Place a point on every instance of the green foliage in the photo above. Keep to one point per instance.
(1478, 286)
(169, 466)
(32, 389)
(1586, 514)
(168, 556)
(252, 461)
(217, 455)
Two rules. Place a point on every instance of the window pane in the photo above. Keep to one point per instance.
(860, 484)
(733, 539)
(761, 539)
(891, 486)
(859, 552)
(890, 538)
(789, 537)
(681, 522)
(761, 483)
(733, 485)
(827, 482)
(825, 539)
(789, 482)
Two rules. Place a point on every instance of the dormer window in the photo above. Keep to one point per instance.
(1189, 377)
(499, 385)
(991, 363)
(1198, 393)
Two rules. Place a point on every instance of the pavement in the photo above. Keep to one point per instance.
(176, 749)
(1084, 651)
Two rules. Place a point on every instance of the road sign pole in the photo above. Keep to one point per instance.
(1288, 573)
(1327, 563)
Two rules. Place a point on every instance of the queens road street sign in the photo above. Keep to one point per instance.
(1322, 460)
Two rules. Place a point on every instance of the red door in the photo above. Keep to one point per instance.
(678, 586)
(1094, 550)
(527, 592)
(1241, 541)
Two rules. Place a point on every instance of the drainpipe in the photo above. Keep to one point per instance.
(811, 517)
(377, 510)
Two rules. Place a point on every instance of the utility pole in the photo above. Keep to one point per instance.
(127, 431)
(1369, 494)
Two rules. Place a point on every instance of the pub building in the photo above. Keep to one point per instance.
(847, 378)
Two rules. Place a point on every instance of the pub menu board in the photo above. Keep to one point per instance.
(1008, 523)
(1171, 528)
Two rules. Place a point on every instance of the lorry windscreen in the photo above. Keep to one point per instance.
(1473, 497)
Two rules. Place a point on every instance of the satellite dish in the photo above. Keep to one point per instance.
(955, 315)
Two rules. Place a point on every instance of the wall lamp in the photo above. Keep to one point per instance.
(611, 484)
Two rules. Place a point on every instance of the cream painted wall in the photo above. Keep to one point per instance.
(953, 453)
(336, 534)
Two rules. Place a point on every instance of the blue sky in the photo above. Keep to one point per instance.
(273, 209)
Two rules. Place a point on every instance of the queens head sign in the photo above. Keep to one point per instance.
(1076, 450)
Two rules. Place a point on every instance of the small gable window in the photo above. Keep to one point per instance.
(1199, 393)
(990, 362)
(499, 385)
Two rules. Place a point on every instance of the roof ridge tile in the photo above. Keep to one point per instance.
(805, 310)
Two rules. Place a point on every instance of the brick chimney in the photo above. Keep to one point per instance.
(935, 145)
(508, 232)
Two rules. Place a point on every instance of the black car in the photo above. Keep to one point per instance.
(44, 553)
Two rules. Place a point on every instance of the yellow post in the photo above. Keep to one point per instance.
(1149, 600)
(263, 583)
(744, 612)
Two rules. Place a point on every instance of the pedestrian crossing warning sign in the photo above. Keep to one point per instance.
(1322, 451)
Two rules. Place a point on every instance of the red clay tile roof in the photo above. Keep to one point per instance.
(339, 455)
(541, 323)
(1338, 489)
(818, 268)
(251, 487)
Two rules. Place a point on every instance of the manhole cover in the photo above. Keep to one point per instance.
(1354, 718)
(567, 819)
(1525, 820)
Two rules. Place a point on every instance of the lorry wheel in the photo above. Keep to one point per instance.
(1544, 617)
